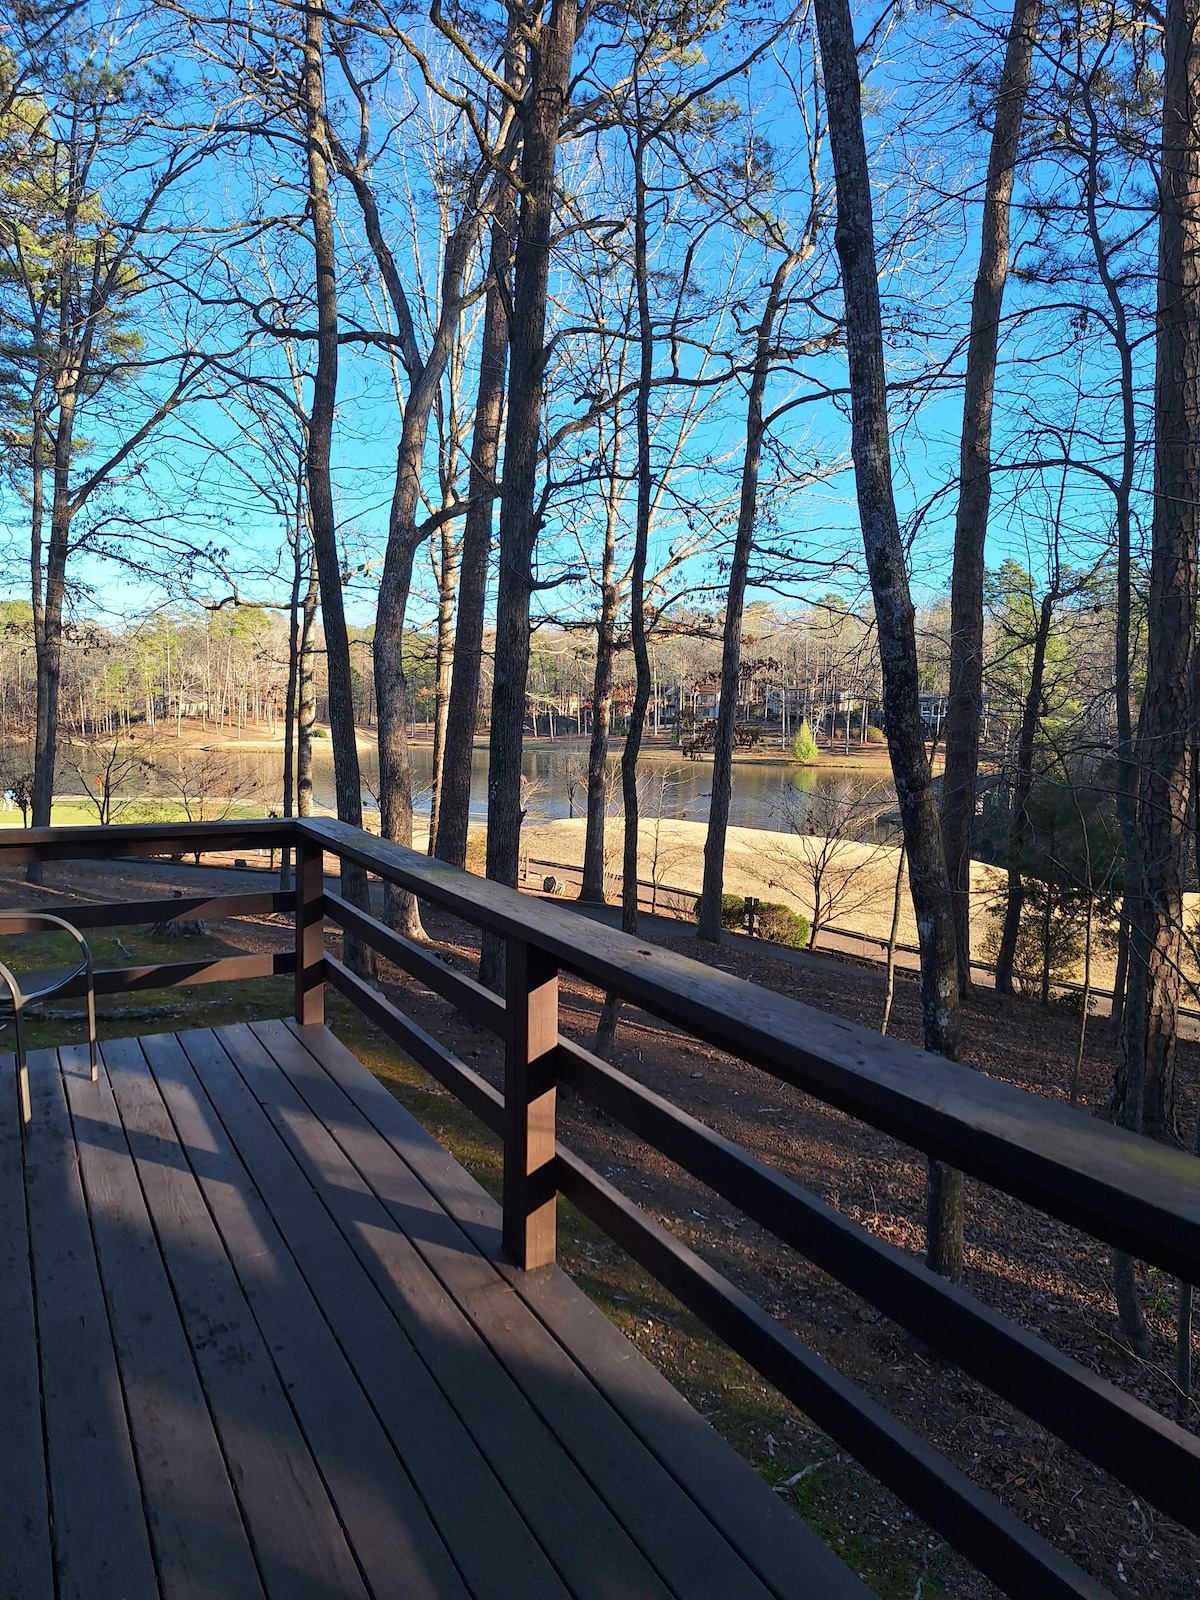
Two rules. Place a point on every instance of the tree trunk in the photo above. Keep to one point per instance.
(447, 582)
(49, 593)
(291, 692)
(306, 715)
(1145, 1091)
(546, 102)
(854, 239)
(731, 649)
(454, 807)
(320, 489)
(889, 987)
(1018, 829)
(895, 622)
(592, 887)
(964, 709)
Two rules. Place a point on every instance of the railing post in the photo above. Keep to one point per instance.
(310, 932)
(530, 1041)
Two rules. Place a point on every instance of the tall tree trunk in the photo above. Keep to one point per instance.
(929, 885)
(454, 807)
(1145, 1092)
(731, 648)
(49, 594)
(635, 727)
(1018, 829)
(447, 583)
(306, 713)
(592, 887)
(545, 104)
(964, 709)
(1126, 796)
(320, 488)
(291, 692)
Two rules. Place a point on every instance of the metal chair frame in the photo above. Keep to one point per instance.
(12, 922)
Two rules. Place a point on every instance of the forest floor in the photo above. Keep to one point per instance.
(1046, 1276)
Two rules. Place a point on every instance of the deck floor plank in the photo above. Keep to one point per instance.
(692, 1557)
(101, 1542)
(260, 1343)
(301, 1550)
(26, 1562)
(396, 1545)
(589, 1545)
(200, 1543)
(790, 1560)
(468, 1502)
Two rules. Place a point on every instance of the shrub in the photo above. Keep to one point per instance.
(875, 735)
(781, 925)
(733, 911)
(804, 746)
(1066, 940)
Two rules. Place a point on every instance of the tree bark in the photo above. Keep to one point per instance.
(1145, 1090)
(929, 885)
(854, 240)
(731, 648)
(454, 808)
(592, 887)
(306, 715)
(317, 465)
(1019, 826)
(447, 582)
(964, 710)
(520, 520)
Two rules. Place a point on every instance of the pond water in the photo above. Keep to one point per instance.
(765, 795)
(772, 795)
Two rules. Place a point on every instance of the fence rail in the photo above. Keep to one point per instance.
(1123, 1190)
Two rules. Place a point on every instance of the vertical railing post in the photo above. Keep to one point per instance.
(530, 1042)
(310, 931)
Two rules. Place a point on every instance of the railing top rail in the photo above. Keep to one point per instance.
(129, 840)
(1131, 1192)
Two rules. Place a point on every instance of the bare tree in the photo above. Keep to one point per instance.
(831, 863)
(871, 449)
(541, 112)
(965, 708)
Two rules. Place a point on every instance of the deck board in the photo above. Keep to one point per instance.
(101, 1542)
(293, 1530)
(775, 1544)
(259, 1342)
(465, 1500)
(199, 1540)
(26, 1565)
(545, 1383)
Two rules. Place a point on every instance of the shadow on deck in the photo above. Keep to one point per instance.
(259, 1340)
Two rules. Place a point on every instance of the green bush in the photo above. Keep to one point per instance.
(1066, 939)
(781, 925)
(804, 746)
(875, 735)
(733, 911)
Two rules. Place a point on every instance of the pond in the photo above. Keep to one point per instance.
(774, 795)
(765, 794)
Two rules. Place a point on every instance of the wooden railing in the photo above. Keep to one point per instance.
(1132, 1194)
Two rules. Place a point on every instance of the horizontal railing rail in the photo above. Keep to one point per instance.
(1126, 1191)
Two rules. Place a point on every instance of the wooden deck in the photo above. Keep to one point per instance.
(257, 1339)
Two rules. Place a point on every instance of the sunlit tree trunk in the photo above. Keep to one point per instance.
(964, 710)
(928, 882)
(546, 102)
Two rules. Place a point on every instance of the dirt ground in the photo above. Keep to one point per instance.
(1046, 1276)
